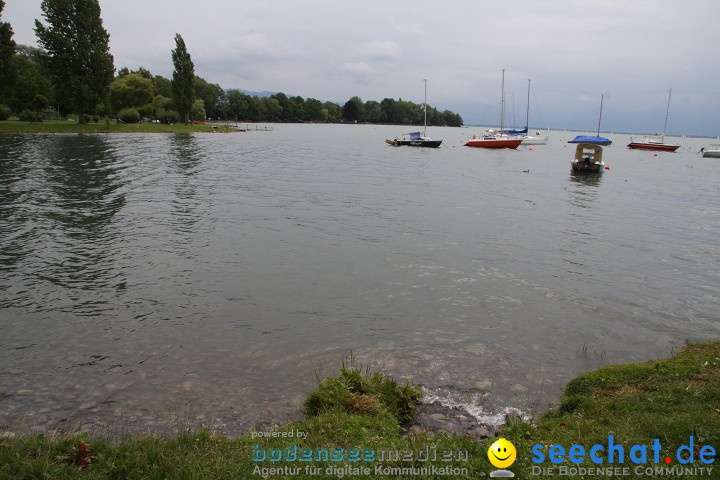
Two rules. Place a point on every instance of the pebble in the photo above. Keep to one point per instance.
(483, 385)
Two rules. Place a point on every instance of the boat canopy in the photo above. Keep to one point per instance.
(524, 131)
(414, 135)
(590, 152)
(595, 139)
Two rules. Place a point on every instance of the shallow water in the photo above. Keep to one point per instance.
(152, 281)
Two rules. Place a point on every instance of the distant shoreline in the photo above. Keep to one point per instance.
(59, 126)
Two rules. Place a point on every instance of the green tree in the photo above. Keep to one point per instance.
(80, 62)
(31, 80)
(351, 110)
(183, 82)
(257, 111)
(212, 95)
(198, 111)
(7, 52)
(162, 86)
(313, 110)
(273, 109)
(334, 112)
(237, 106)
(372, 111)
(132, 90)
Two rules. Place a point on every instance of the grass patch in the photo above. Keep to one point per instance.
(670, 399)
(56, 126)
(359, 412)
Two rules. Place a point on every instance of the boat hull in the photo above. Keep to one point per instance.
(494, 143)
(584, 167)
(658, 147)
(711, 154)
(415, 143)
(534, 140)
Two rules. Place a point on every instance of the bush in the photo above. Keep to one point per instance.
(5, 112)
(167, 116)
(198, 111)
(39, 102)
(129, 115)
(146, 111)
(28, 116)
(361, 393)
(95, 119)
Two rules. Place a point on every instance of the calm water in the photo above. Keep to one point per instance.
(150, 280)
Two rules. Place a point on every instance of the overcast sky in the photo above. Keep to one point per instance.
(573, 51)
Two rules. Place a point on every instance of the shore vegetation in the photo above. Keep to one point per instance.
(360, 413)
(43, 83)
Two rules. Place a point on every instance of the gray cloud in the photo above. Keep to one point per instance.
(572, 50)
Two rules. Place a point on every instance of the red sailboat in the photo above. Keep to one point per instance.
(656, 142)
(497, 141)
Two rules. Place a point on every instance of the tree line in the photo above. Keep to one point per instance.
(73, 73)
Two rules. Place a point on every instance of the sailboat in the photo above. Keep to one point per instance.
(417, 139)
(655, 142)
(497, 141)
(594, 139)
(529, 139)
(523, 134)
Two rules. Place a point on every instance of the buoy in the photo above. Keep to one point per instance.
(454, 146)
(654, 154)
(530, 148)
(607, 167)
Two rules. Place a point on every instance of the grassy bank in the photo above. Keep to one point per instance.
(669, 400)
(57, 126)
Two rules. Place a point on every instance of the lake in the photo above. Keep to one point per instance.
(152, 282)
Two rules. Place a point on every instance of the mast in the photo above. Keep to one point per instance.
(425, 108)
(502, 102)
(667, 112)
(600, 119)
(527, 113)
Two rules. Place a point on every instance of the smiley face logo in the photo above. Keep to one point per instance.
(502, 453)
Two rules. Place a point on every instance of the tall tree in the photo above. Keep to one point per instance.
(80, 62)
(183, 82)
(7, 50)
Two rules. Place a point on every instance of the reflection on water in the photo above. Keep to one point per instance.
(82, 173)
(151, 277)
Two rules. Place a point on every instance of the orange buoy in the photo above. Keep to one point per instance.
(607, 167)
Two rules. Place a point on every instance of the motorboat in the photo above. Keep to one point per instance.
(588, 158)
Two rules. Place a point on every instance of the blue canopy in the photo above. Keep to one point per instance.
(597, 140)
(414, 135)
(524, 131)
